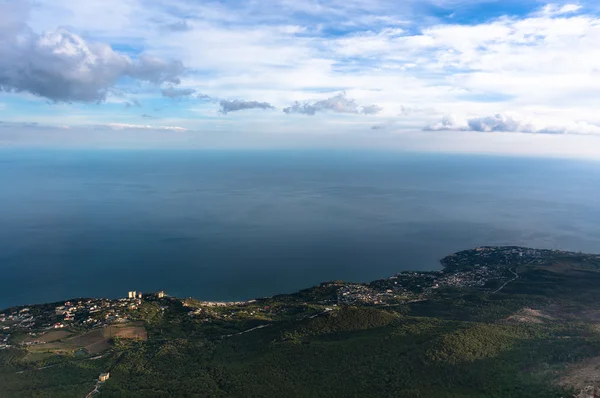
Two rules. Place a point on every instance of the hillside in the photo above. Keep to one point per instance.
(495, 322)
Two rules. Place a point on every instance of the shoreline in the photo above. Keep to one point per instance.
(444, 262)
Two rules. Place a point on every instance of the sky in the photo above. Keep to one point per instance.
(476, 76)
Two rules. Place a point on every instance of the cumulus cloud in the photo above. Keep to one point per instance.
(339, 104)
(512, 123)
(240, 105)
(62, 66)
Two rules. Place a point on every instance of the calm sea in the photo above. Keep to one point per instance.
(237, 225)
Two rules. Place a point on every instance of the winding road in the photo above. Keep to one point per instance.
(509, 281)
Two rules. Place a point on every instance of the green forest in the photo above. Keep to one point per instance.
(519, 342)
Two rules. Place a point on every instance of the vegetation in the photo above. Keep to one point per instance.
(459, 342)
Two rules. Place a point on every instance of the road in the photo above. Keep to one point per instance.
(31, 370)
(509, 281)
(95, 390)
(246, 331)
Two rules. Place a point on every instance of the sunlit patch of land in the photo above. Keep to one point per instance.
(92, 342)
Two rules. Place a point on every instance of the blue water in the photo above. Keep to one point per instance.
(237, 225)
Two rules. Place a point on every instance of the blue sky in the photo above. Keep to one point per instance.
(516, 77)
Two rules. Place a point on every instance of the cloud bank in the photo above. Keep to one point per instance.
(512, 123)
(339, 104)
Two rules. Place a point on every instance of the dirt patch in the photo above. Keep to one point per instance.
(583, 377)
(134, 332)
(529, 315)
(94, 342)
(98, 347)
(87, 339)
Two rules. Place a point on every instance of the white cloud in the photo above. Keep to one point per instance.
(507, 122)
(62, 66)
(555, 9)
(126, 126)
(220, 136)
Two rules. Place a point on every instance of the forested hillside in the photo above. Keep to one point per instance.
(537, 336)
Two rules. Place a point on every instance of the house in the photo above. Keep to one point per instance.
(104, 376)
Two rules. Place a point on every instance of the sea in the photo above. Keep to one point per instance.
(236, 225)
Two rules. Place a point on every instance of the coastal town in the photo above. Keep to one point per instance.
(484, 268)
(77, 315)
(103, 336)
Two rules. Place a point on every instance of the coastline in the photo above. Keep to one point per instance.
(447, 263)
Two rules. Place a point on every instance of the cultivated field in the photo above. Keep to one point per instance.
(93, 342)
(48, 337)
